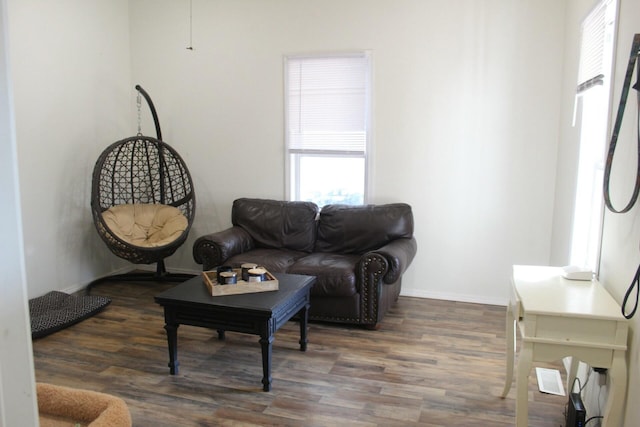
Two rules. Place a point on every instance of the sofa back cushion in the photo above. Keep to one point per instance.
(358, 229)
(277, 224)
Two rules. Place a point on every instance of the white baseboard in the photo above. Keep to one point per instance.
(419, 293)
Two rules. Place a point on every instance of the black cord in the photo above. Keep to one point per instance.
(580, 387)
(634, 57)
(635, 284)
(593, 418)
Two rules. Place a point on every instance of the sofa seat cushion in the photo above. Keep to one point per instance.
(274, 260)
(335, 273)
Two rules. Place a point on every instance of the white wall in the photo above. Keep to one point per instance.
(466, 117)
(621, 235)
(71, 71)
(17, 380)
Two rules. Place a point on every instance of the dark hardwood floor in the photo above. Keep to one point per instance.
(431, 363)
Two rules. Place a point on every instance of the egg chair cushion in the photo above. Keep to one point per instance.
(146, 225)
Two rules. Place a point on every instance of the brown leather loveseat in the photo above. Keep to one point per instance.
(357, 253)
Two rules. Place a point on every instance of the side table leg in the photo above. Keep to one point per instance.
(266, 342)
(304, 320)
(522, 385)
(511, 342)
(172, 340)
(618, 384)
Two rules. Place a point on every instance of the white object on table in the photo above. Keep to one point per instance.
(573, 272)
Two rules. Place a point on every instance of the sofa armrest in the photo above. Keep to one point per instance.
(376, 270)
(399, 254)
(214, 249)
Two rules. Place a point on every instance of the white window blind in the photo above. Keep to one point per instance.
(592, 56)
(327, 102)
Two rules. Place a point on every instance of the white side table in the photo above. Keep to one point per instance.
(558, 318)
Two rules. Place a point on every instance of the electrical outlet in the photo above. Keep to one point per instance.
(602, 378)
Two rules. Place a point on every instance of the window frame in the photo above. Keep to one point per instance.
(294, 155)
(597, 79)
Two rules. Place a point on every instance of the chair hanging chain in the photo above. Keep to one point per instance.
(139, 103)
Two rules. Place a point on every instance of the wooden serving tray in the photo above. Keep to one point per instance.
(210, 279)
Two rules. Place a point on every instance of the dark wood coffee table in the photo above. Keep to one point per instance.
(262, 314)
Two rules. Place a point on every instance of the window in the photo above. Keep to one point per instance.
(593, 93)
(327, 127)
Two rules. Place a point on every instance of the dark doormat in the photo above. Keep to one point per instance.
(56, 310)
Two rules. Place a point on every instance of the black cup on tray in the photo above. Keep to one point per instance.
(223, 269)
(245, 270)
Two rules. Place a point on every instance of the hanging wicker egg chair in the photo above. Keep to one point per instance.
(142, 202)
